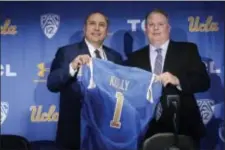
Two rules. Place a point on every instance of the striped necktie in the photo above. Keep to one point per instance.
(158, 62)
(97, 54)
(158, 70)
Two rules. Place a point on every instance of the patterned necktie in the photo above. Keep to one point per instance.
(158, 70)
(158, 62)
(97, 54)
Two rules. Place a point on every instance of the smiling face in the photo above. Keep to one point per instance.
(157, 28)
(96, 28)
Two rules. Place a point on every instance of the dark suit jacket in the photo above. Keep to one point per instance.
(59, 80)
(182, 60)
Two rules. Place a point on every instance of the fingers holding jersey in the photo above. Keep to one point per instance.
(167, 78)
(80, 60)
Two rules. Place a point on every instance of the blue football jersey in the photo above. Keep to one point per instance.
(118, 103)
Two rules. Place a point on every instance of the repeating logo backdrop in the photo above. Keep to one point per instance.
(31, 32)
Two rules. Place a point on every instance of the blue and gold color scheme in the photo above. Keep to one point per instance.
(118, 104)
(32, 32)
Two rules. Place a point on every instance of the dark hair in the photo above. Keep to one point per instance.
(96, 12)
(157, 10)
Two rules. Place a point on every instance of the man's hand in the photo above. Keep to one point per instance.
(80, 60)
(167, 77)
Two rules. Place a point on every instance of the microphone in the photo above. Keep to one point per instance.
(173, 101)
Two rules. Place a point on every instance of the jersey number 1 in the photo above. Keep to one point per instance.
(115, 123)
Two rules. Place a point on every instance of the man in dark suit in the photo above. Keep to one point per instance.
(181, 71)
(62, 77)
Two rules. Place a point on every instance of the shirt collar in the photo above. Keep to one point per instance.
(91, 48)
(163, 46)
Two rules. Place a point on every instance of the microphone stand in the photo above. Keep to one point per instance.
(173, 101)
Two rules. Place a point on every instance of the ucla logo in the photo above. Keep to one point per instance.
(4, 111)
(7, 28)
(195, 25)
(37, 114)
(205, 106)
(50, 24)
(221, 132)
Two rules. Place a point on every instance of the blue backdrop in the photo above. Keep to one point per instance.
(31, 32)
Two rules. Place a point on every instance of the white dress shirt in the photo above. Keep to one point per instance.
(153, 55)
(91, 50)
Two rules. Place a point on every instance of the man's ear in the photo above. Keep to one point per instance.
(145, 28)
(84, 29)
(169, 26)
(107, 32)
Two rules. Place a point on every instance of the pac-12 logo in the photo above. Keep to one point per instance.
(221, 132)
(205, 106)
(4, 111)
(50, 24)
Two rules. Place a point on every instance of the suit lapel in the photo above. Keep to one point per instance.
(170, 58)
(83, 48)
(145, 59)
(107, 53)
